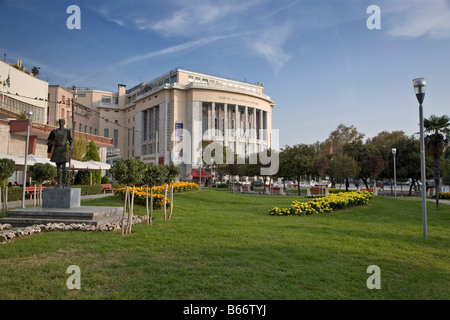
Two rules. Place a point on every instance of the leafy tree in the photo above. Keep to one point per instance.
(342, 167)
(154, 176)
(298, 161)
(436, 142)
(84, 176)
(41, 172)
(6, 170)
(338, 138)
(35, 71)
(172, 173)
(130, 172)
(408, 161)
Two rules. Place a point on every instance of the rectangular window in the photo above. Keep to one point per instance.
(81, 95)
(106, 99)
(116, 138)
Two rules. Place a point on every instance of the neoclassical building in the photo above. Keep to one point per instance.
(234, 113)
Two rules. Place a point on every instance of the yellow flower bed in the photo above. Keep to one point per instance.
(324, 204)
(140, 193)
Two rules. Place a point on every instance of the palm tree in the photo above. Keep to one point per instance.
(436, 142)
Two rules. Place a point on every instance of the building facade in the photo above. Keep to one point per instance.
(20, 92)
(236, 114)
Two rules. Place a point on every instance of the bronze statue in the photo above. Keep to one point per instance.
(58, 140)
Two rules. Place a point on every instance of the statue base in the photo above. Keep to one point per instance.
(61, 198)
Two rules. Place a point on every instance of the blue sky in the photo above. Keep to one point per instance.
(318, 60)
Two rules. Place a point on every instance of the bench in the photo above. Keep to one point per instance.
(32, 191)
(369, 189)
(317, 190)
(107, 187)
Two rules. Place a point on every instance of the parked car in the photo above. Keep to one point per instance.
(257, 183)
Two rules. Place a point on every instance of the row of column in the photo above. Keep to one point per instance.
(223, 113)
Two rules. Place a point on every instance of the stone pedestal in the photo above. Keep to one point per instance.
(61, 198)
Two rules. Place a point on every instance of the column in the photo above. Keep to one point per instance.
(225, 129)
(254, 130)
(213, 119)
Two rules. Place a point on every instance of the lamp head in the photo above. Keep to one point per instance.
(420, 85)
(394, 151)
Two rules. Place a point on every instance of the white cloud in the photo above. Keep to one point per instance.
(269, 44)
(198, 17)
(420, 17)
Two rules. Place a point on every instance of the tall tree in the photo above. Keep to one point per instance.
(343, 167)
(436, 142)
(338, 138)
(298, 160)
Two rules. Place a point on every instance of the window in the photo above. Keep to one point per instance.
(116, 138)
(81, 95)
(190, 79)
(115, 100)
(106, 99)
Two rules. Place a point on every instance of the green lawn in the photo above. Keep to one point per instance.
(220, 245)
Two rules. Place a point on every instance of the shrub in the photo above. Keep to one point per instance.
(158, 192)
(324, 204)
(105, 180)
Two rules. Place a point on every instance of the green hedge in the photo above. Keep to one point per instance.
(15, 193)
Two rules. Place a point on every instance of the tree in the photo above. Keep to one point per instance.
(374, 165)
(436, 142)
(383, 143)
(172, 173)
(154, 176)
(130, 172)
(6, 170)
(297, 161)
(343, 166)
(84, 176)
(338, 138)
(35, 71)
(41, 172)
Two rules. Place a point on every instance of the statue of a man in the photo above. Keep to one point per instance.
(57, 140)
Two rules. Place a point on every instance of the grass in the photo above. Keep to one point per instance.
(226, 246)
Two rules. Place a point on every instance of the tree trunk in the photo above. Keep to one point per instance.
(437, 178)
(146, 204)
(165, 200)
(124, 210)
(151, 205)
(411, 186)
(171, 201)
(298, 185)
(130, 213)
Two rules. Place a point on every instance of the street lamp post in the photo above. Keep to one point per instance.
(419, 88)
(29, 114)
(394, 151)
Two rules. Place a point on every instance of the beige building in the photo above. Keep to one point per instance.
(161, 121)
(236, 114)
(20, 92)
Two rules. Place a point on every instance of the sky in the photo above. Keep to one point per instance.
(321, 61)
